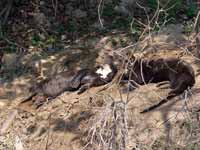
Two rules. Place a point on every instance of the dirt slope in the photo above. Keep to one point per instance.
(92, 121)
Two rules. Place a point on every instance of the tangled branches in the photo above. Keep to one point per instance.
(6, 7)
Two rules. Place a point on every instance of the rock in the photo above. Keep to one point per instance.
(68, 10)
(184, 17)
(42, 3)
(63, 37)
(131, 7)
(50, 48)
(79, 14)
(122, 10)
(42, 36)
(41, 20)
(97, 24)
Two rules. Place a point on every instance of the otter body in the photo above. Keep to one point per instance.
(179, 73)
(64, 81)
(56, 85)
(71, 81)
(155, 71)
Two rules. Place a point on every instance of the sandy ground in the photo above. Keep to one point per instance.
(92, 121)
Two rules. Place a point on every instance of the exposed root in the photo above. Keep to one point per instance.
(110, 129)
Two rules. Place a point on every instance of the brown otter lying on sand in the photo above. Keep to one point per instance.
(71, 81)
(56, 85)
(179, 73)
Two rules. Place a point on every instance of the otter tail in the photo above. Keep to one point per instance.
(163, 101)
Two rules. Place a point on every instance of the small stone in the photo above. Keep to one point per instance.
(42, 3)
(68, 10)
(50, 48)
(97, 24)
(63, 37)
(41, 19)
(184, 17)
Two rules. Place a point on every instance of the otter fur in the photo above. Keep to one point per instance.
(72, 81)
(56, 85)
(179, 73)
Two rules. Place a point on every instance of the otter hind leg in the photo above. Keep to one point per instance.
(180, 88)
(154, 106)
(84, 88)
(76, 81)
(161, 102)
(39, 100)
(163, 84)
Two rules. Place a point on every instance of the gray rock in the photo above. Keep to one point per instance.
(79, 13)
(68, 10)
(41, 20)
(63, 37)
(42, 3)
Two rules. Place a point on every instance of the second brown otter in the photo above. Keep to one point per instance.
(179, 73)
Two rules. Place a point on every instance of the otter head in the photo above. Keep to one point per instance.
(104, 70)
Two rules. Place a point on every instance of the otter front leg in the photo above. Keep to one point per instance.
(163, 85)
(84, 88)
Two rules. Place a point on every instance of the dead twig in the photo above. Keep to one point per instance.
(99, 13)
(55, 7)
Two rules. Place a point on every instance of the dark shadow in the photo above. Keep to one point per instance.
(72, 123)
(165, 110)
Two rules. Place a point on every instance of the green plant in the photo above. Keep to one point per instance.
(36, 40)
(51, 40)
(152, 4)
(173, 7)
(72, 26)
(121, 22)
(60, 29)
(11, 49)
(191, 10)
(108, 11)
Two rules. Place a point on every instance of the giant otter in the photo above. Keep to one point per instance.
(179, 73)
(71, 81)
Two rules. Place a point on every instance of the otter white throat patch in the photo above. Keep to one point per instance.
(104, 71)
